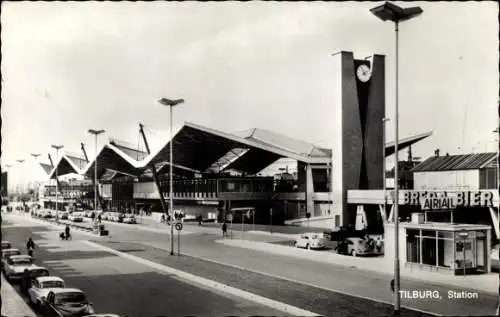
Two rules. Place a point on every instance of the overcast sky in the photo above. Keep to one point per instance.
(71, 66)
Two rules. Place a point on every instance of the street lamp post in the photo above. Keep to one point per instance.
(384, 180)
(22, 177)
(96, 134)
(57, 147)
(396, 14)
(36, 155)
(171, 103)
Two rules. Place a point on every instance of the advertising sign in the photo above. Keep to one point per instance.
(433, 200)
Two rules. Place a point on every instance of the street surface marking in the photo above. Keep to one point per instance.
(110, 265)
(307, 284)
(211, 284)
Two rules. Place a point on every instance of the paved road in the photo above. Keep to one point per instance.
(154, 246)
(343, 279)
(121, 286)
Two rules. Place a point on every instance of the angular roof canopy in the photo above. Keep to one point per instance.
(197, 147)
(68, 164)
(112, 158)
(46, 167)
(406, 142)
(129, 149)
(457, 162)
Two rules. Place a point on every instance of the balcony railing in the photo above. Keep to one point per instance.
(206, 188)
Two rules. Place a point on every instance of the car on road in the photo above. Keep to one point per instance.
(129, 219)
(64, 215)
(47, 214)
(106, 215)
(66, 302)
(42, 286)
(357, 246)
(6, 253)
(15, 266)
(6, 245)
(310, 241)
(76, 217)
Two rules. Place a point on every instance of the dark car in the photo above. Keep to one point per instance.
(67, 302)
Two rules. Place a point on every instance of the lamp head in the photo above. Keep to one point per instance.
(394, 13)
(170, 102)
(95, 132)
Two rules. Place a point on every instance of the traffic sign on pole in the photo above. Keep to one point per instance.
(178, 226)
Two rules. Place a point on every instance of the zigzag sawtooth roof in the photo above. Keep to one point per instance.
(46, 167)
(128, 149)
(456, 162)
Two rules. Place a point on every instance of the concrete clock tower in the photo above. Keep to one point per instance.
(357, 148)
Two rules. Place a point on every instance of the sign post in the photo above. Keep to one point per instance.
(464, 235)
(243, 225)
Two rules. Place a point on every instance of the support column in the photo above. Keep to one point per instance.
(391, 214)
(494, 219)
(383, 213)
(309, 190)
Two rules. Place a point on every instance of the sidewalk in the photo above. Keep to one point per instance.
(12, 304)
(485, 282)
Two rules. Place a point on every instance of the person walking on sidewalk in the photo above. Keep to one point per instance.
(224, 229)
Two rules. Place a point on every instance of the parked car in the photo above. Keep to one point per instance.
(357, 246)
(76, 217)
(47, 214)
(66, 302)
(6, 245)
(42, 286)
(64, 215)
(129, 219)
(6, 253)
(15, 266)
(310, 241)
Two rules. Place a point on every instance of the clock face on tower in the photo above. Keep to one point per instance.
(363, 72)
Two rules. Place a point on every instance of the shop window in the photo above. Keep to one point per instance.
(413, 246)
(429, 252)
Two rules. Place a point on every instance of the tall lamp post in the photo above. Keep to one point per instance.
(36, 155)
(22, 176)
(96, 134)
(171, 104)
(497, 132)
(384, 180)
(57, 147)
(396, 14)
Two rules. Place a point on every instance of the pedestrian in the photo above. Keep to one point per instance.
(67, 232)
(224, 229)
(30, 246)
(99, 218)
